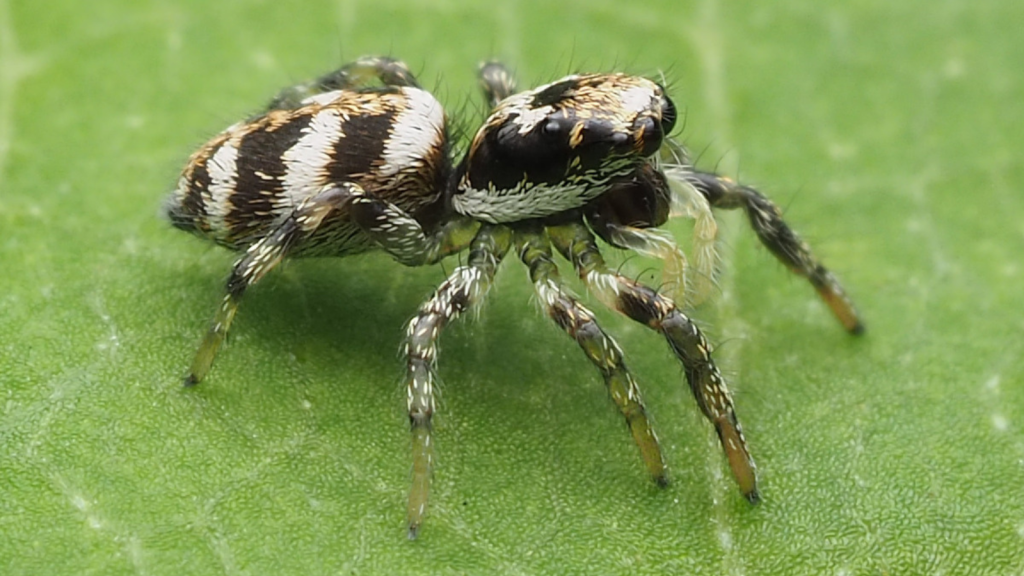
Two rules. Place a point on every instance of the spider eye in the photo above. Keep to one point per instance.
(556, 127)
(668, 115)
(653, 132)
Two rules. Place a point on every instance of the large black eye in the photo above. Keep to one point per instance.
(668, 115)
(557, 126)
(653, 134)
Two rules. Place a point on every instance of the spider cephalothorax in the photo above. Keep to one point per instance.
(339, 166)
(558, 147)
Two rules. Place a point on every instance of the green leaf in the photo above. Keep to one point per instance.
(891, 132)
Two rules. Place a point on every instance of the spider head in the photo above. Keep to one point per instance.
(561, 146)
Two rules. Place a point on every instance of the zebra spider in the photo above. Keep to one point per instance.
(360, 159)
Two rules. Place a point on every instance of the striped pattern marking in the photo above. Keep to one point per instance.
(239, 184)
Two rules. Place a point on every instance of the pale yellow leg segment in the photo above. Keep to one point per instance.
(602, 351)
(212, 341)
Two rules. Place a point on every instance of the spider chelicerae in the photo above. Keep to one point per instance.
(361, 159)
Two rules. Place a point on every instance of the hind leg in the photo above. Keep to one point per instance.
(357, 74)
(497, 82)
(259, 259)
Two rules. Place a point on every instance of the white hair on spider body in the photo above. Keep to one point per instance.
(688, 202)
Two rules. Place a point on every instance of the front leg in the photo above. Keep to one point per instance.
(463, 289)
(600, 348)
(766, 220)
(646, 306)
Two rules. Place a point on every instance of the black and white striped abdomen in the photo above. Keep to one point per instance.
(390, 141)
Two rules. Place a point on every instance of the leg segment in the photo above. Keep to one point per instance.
(766, 219)
(497, 82)
(401, 236)
(465, 287)
(600, 348)
(388, 71)
(646, 306)
(258, 259)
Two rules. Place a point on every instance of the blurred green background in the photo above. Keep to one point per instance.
(891, 132)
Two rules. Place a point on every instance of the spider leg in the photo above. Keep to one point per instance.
(258, 259)
(659, 313)
(465, 287)
(402, 236)
(602, 351)
(357, 74)
(496, 81)
(766, 220)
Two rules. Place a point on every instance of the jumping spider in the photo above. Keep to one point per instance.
(360, 159)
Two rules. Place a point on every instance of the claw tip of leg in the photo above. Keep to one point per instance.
(857, 329)
(661, 480)
(754, 497)
(190, 380)
(414, 530)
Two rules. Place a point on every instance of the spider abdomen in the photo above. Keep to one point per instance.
(392, 142)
